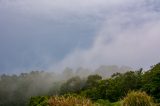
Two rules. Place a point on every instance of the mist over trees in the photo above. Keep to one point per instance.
(15, 90)
(107, 83)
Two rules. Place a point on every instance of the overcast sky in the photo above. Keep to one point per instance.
(54, 34)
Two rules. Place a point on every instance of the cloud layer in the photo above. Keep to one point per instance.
(129, 36)
(54, 34)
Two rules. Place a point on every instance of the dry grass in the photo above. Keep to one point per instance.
(137, 98)
(69, 101)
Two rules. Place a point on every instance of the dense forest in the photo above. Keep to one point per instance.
(105, 86)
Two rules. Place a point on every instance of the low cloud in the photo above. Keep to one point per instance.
(54, 34)
(129, 36)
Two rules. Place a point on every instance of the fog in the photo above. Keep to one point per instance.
(72, 38)
(51, 35)
(16, 90)
(129, 35)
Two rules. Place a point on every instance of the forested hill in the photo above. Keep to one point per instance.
(16, 90)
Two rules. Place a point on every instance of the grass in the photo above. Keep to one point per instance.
(137, 98)
(69, 101)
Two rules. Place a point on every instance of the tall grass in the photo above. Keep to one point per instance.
(137, 98)
(69, 101)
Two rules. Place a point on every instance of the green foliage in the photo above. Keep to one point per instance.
(15, 90)
(39, 101)
(151, 82)
(117, 103)
(137, 98)
(73, 85)
(101, 102)
(119, 84)
(112, 88)
(92, 80)
(94, 87)
(91, 93)
(96, 92)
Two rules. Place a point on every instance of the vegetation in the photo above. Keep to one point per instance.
(47, 89)
(39, 101)
(151, 82)
(137, 99)
(69, 101)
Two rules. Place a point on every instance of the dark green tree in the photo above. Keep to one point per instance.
(92, 81)
(151, 81)
(120, 84)
(73, 85)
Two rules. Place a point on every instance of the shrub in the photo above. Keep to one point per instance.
(69, 101)
(117, 103)
(101, 102)
(39, 101)
(137, 98)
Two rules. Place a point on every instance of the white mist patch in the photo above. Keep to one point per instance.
(39, 34)
(129, 36)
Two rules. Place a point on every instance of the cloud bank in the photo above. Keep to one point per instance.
(54, 34)
(129, 36)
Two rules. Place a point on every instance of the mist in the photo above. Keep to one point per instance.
(16, 90)
(128, 35)
(72, 38)
(52, 35)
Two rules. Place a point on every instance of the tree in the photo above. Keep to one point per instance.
(92, 80)
(93, 87)
(73, 85)
(151, 81)
(120, 84)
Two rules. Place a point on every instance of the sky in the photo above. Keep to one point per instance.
(54, 34)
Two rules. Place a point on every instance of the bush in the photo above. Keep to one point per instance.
(137, 98)
(101, 102)
(117, 103)
(69, 101)
(39, 101)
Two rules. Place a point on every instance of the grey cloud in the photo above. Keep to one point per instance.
(59, 33)
(129, 36)
(34, 35)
